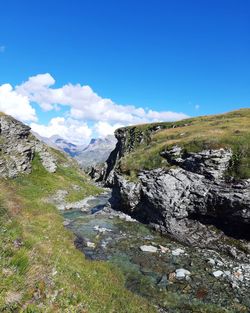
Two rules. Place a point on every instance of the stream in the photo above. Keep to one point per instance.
(154, 266)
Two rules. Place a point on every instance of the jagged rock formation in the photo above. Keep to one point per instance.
(186, 200)
(18, 147)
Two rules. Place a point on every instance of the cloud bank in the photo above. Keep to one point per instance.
(15, 104)
(87, 113)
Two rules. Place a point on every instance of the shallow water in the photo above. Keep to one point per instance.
(152, 275)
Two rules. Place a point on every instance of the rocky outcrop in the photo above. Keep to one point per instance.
(18, 147)
(210, 163)
(128, 138)
(48, 160)
(188, 200)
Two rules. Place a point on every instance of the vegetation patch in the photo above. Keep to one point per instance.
(41, 270)
(230, 130)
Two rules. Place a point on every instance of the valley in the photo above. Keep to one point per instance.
(167, 232)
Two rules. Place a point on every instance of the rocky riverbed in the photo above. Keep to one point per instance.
(157, 267)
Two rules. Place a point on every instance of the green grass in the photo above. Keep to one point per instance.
(41, 184)
(46, 273)
(231, 130)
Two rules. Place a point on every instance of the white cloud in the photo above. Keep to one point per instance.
(164, 116)
(72, 130)
(36, 88)
(15, 104)
(104, 129)
(2, 48)
(83, 108)
(197, 106)
(85, 104)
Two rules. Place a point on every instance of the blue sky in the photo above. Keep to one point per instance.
(183, 56)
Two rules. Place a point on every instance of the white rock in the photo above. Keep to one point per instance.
(211, 261)
(148, 249)
(182, 273)
(177, 252)
(217, 273)
(164, 249)
(90, 244)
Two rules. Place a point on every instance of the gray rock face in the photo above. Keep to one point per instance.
(18, 147)
(210, 163)
(47, 159)
(183, 200)
(16, 152)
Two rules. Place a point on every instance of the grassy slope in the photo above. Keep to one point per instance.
(231, 130)
(42, 271)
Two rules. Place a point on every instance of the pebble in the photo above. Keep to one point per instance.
(182, 273)
(145, 248)
(217, 273)
(171, 276)
(177, 252)
(164, 249)
(90, 244)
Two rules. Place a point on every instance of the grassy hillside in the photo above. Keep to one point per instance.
(230, 130)
(41, 270)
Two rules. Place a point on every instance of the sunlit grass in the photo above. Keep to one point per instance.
(231, 130)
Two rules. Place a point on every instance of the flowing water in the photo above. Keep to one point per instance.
(162, 275)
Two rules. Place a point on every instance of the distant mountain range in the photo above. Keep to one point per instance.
(96, 152)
